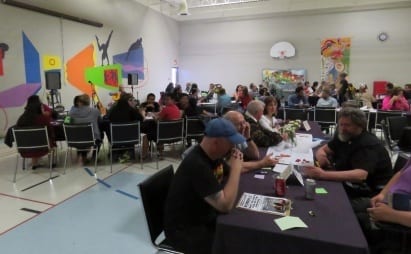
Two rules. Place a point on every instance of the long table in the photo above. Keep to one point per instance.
(333, 228)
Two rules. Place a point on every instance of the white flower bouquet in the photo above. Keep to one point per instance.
(290, 128)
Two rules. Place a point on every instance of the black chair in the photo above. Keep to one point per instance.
(169, 132)
(295, 114)
(401, 231)
(402, 158)
(80, 137)
(326, 117)
(396, 125)
(381, 115)
(232, 107)
(123, 136)
(32, 140)
(209, 107)
(153, 192)
(194, 128)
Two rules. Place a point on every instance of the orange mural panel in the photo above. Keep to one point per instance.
(76, 69)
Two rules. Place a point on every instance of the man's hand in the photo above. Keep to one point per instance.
(313, 172)
(246, 130)
(268, 161)
(236, 159)
(323, 161)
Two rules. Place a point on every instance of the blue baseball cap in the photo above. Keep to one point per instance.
(223, 128)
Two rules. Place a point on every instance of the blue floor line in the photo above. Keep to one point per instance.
(89, 171)
(103, 183)
(126, 194)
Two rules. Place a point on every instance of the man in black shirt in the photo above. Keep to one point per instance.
(197, 194)
(359, 158)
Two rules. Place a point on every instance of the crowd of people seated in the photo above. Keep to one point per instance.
(209, 174)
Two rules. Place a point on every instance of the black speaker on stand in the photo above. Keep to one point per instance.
(53, 83)
(132, 80)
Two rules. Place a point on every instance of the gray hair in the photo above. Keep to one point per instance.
(356, 115)
(255, 106)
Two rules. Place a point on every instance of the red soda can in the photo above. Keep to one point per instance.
(279, 186)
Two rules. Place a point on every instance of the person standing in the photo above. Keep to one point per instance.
(343, 89)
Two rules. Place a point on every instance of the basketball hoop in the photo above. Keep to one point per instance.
(282, 54)
(282, 50)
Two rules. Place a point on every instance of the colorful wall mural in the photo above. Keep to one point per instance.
(335, 57)
(80, 70)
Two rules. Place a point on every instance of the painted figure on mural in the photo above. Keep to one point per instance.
(103, 47)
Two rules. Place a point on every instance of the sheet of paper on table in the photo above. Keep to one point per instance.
(258, 176)
(301, 154)
(289, 222)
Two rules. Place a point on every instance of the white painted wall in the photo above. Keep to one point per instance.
(235, 52)
(53, 36)
(228, 52)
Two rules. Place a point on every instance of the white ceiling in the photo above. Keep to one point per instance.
(261, 8)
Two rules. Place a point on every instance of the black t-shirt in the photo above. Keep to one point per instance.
(196, 178)
(364, 152)
(150, 108)
(124, 114)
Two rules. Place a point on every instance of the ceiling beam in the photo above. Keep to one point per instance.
(51, 13)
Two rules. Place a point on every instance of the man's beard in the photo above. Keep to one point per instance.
(344, 137)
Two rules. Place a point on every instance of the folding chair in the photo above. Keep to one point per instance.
(396, 125)
(81, 137)
(153, 192)
(123, 137)
(381, 116)
(32, 140)
(209, 107)
(169, 132)
(295, 113)
(326, 117)
(194, 128)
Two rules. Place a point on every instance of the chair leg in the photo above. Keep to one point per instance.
(51, 155)
(157, 156)
(65, 159)
(15, 171)
(95, 160)
(141, 154)
(111, 159)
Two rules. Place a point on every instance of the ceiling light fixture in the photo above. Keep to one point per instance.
(211, 3)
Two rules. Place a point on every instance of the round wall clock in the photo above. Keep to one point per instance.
(382, 36)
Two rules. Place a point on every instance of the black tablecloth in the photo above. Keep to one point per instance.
(333, 229)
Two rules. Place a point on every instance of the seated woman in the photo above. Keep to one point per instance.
(396, 101)
(238, 93)
(268, 120)
(35, 115)
(380, 211)
(366, 98)
(245, 98)
(124, 112)
(83, 113)
(170, 111)
(189, 107)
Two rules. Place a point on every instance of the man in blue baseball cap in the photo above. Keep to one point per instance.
(197, 193)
